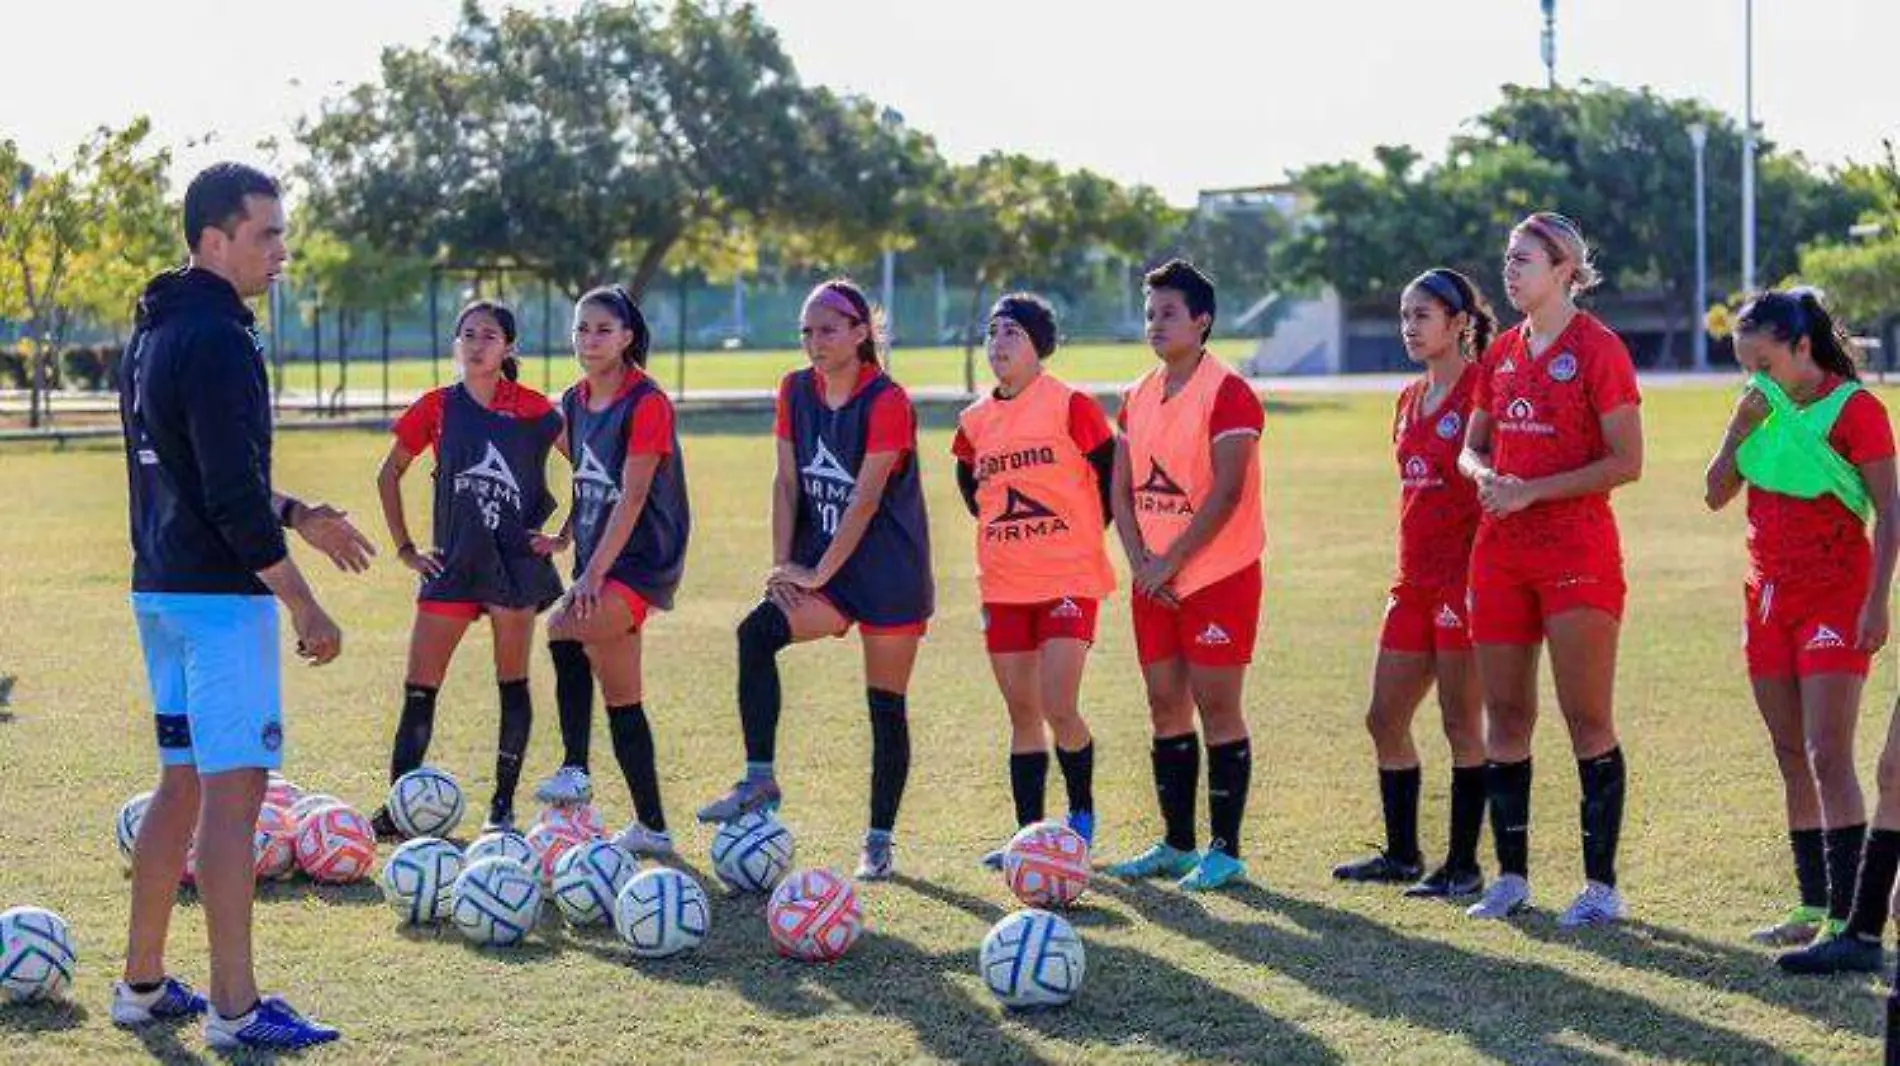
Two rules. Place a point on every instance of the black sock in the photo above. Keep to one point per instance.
(1873, 891)
(1467, 816)
(413, 729)
(1028, 777)
(890, 755)
(1398, 796)
(145, 988)
(762, 635)
(1843, 847)
(1600, 813)
(1810, 865)
(574, 699)
(1229, 772)
(1078, 776)
(1177, 763)
(1508, 786)
(517, 722)
(633, 750)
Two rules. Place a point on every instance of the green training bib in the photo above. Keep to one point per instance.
(1789, 453)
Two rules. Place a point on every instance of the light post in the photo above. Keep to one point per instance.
(1699, 136)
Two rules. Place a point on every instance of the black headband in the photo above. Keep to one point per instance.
(1440, 285)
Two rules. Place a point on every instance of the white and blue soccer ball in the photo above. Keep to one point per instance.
(419, 879)
(662, 912)
(496, 902)
(1032, 960)
(752, 853)
(36, 954)
(504, 844)
(426, 802)
(126, 826)
(588, 878)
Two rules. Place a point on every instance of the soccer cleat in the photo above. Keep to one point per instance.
(273, 1025)
(567, 787)
(1217, 869)
(877, 862)
(1597, 904)
(1447, 883)
(1506, 896)
(171, 999)
(747, 795)
(384, 825)
(1380, 869)
(993, 860)
(1842, 952)
(1799, 926)
(499, 822)
(641, 842)
(1158, 861)
(1083, 822)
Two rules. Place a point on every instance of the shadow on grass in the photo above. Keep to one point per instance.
(1512, 1009)
(1844, 1004)
(359, 894)
(47, 1016)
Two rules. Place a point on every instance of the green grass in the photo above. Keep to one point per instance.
(1293, 969)
(749, 370)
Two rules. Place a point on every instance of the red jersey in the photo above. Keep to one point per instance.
(650, 427)
(1546, 418)
(1820, 542)
(1438, 506)
(420, 427)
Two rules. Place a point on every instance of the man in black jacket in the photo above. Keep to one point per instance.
(209, 567)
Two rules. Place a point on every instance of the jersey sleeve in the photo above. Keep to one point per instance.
(1862, 433)
(421, 425)
(650, 427)
(893, 423)
(961, 447)
(1236, 410)
(1612, 376)
(782, 410)
(1088, 426)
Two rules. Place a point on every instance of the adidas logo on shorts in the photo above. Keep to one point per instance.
(1824, 639)
(1213, 637)
(1448, 618)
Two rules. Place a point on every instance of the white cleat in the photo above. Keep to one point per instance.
(1507, 895)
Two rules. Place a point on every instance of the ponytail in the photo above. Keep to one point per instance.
(1832, 349)
(1792, 314)
(511, 368)
(617, 301)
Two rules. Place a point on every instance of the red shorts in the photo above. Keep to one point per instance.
(1010, 628)
(1801, 632)
(1512, 595)
(907, 629)
(1425, 620)
(1216, 626)
(637, 604)
(462, 610)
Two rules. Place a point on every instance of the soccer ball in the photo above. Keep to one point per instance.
(503, 844)
(310, 802)
(335, 845)
(281, 792)
(550, 841)
(495, 902)
(36, 954)
(584, 818)
(662, 912)
(276, 844)
(419, 879)
(1047, 865)
(753, 852)
(1033, 959)
(588, 878)
(425, 802)
(814, 916)
(126, 826)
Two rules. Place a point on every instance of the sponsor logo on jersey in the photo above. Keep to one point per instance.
(992, 465)
(491, 480)
(1520, 416)
(1161, 494)
(825, 479)
(1417, 473)
(595, 489)
(1023, 518)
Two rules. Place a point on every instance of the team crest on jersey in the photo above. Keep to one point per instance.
(1563, 367)
(1449, 425)
(492, 483)
(1161, 494)
(1023, 518)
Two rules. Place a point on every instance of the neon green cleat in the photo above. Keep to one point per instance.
(1158, 861)
(1215, 870)
(1800, 926)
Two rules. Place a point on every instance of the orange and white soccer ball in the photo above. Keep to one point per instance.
(335, 845)
(276, 844)
(282, 793)
(1047, 865)
(584, 817)
(814, 916)
(551, 841)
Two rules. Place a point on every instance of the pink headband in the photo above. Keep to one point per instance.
(825, 296)
(1553, 234)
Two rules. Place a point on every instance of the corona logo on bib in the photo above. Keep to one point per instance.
(1023, 518)
(1161, 494)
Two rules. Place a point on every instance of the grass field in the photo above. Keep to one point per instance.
(750, 369)
(1292, 969)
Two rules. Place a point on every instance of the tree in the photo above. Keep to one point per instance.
(80, 239)
(1862, 278)
(352, 278)
(590, 146)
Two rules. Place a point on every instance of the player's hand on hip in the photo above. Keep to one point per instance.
(583, 599)
(329, 531)
(428, 564)
(319, 640)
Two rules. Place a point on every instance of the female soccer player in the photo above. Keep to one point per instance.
(491, 438)
(1817, 455)
(1187, 508)
(1555, 426)
(1446, 324)
(630, 524)
(1034, 462)
(850, 546)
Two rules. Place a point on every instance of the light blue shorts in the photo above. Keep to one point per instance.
(217, 691)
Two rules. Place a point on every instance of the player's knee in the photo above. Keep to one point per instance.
(765, 632)
(1831, 763)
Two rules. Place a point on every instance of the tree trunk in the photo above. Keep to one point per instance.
(651, 259)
